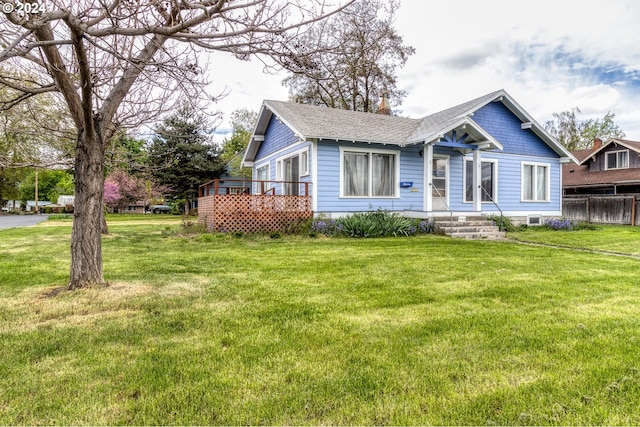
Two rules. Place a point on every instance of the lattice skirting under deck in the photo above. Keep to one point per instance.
(253, 213)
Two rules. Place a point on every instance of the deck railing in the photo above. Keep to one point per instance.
(253, 206)
(242, 186)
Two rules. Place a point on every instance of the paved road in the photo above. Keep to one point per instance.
(11, 221)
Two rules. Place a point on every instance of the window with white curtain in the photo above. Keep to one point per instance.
(369, 173)
(617, 160)
(535, 182)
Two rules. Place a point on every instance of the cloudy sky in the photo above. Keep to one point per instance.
(550, 55)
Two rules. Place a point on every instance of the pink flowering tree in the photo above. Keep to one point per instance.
(112, 194)
(122, 189)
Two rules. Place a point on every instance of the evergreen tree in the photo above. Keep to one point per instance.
(182, 156)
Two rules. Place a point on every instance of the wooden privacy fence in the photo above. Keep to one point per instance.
(275, 206)
(603, 209)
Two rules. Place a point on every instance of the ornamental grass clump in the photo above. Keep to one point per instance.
(378, 223)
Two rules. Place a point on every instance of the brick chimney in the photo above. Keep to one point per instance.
(597, 143)
(384, 107)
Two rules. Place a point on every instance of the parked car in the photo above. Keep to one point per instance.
(158, 209)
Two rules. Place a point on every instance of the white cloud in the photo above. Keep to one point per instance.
(549, 55)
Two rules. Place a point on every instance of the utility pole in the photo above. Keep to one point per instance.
(37, 210)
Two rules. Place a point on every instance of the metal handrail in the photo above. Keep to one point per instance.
(496, 205)
(445, 203)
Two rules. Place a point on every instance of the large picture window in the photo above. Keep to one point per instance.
(535, 182)
(369, 174)
(487, 180)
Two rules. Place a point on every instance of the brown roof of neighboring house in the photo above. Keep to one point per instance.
(582, 155)
(579, 175)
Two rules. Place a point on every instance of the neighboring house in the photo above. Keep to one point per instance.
(480, 157)
(11, 205)
(138, 207)
(31, 205)
(609, 168)
(66, 200)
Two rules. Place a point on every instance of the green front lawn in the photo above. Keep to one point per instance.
(223, 330)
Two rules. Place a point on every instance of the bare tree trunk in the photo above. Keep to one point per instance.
(104, 229)
(86, 240)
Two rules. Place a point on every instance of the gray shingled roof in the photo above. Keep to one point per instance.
(316, 122)
(312, 121)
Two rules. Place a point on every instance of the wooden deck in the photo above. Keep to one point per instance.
(253, 206)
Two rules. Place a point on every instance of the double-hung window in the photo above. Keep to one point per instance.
(535, 182)
(366, 173)
(617, 159)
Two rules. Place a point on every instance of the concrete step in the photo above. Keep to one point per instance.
(463, 218)
(479, 235)
(485, 223)
(469, 228)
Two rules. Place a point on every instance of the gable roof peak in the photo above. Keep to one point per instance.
(587, 154)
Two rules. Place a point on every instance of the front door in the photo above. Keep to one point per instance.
(439, 196)
(291, 175)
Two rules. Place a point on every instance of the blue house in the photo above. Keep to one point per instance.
(485, 156)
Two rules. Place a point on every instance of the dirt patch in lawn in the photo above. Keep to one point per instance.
(54, 307)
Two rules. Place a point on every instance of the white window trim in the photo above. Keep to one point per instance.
(396, 172)
(304, 162)
(464, 180)
(303, 166)
(548, 189)
(606, 157)
(262, 165)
